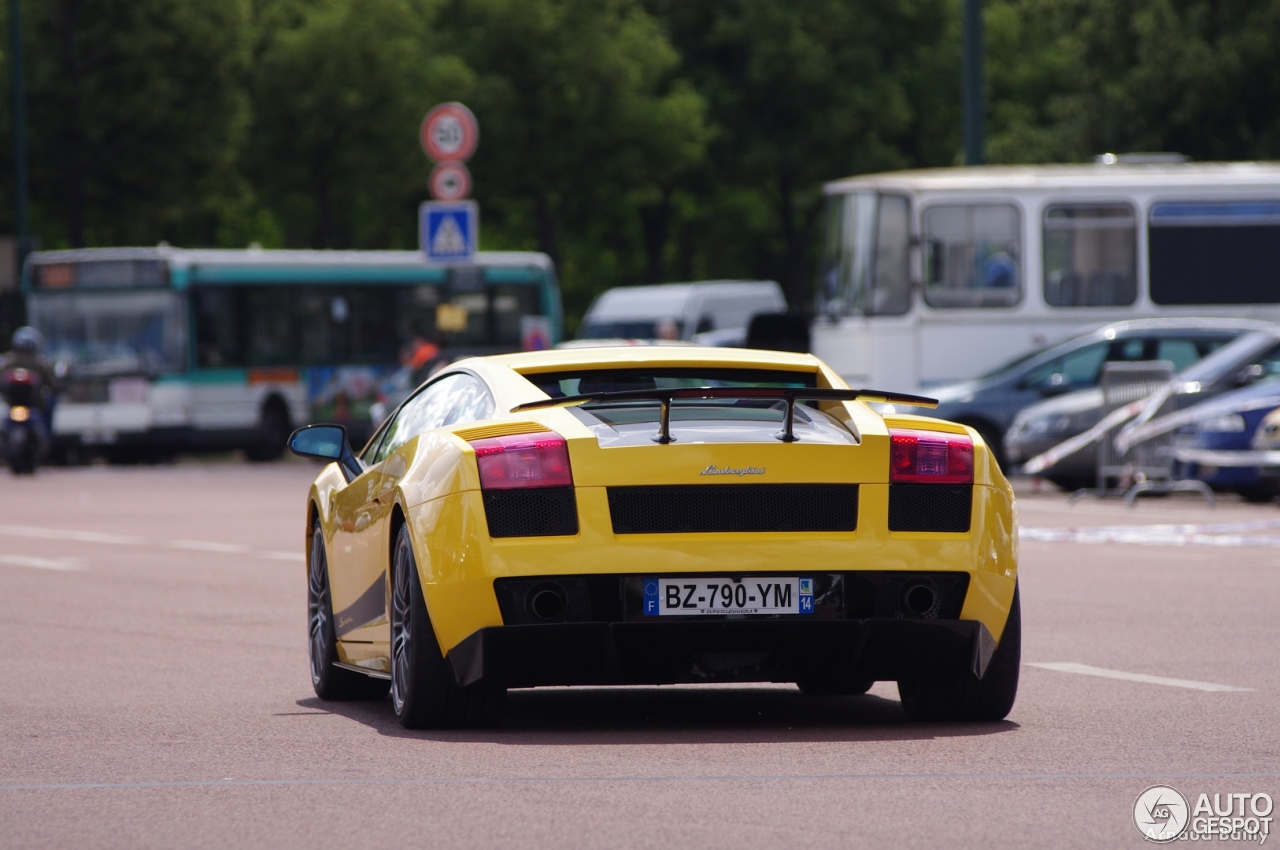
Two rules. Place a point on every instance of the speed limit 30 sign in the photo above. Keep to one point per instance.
(450, 133)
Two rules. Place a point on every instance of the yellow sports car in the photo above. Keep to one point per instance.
(650, 515)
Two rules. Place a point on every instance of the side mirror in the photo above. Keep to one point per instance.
(326, 442)
(1055, 384)
(1249, 374)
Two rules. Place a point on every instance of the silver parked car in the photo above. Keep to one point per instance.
(1042, 426)
(990, 403)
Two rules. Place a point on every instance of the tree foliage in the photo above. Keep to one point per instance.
(633, 140)
(338, 88)
(137, 115)
(585, 130)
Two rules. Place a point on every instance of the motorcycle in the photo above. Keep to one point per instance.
(26, 435)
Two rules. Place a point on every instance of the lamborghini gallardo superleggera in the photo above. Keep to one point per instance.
(655, 515)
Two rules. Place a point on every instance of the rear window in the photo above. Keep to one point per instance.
(582, 381)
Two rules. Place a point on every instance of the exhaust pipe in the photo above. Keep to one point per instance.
(546, 601)
(919, 599)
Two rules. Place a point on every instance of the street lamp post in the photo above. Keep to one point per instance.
(972, 100)
(19, 133)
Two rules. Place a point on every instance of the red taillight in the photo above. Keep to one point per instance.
(930, 457)
(523, 461)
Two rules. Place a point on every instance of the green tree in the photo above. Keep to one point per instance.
(1074, 78)
(585, 132)
(137, 117)
(801, 93)
(339, 89)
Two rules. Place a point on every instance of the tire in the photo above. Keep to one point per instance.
(330, 682)
(1071, 483)
(834, 687)
(273, 433)
(1258, 494)
(22, 451)
(961, 695)
(424, 694)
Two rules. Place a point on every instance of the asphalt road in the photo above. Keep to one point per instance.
(154, 693)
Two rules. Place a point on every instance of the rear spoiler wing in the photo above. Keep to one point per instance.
(789, 395)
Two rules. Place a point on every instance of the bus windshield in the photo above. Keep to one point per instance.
(865, 266)
(112, 333)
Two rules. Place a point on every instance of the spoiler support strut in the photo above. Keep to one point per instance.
(789, 395)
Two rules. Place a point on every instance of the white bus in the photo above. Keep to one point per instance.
(938, 275)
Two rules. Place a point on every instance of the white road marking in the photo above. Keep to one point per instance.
(1225, 534)
(213, 546)
(68, 534)
(61, 565)
(1102, 672)
(296, 557)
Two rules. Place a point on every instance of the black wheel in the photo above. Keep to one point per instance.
(424, 694)
(1071, 483)
(962, 696)
(273, 432)
(1259, 494)
(22, 452)
(330, 682)
(834, 687)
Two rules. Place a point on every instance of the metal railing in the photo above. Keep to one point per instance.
(1146, 467)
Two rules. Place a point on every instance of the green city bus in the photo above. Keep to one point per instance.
(168, 349)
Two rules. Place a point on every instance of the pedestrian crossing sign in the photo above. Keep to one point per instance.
(449, 231)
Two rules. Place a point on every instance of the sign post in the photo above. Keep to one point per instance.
(449, 226)
(448, 231)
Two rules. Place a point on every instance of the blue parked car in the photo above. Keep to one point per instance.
(1232, 424)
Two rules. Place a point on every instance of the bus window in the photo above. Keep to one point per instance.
(865, 260)
(845, 271)
(126, 332)
(1215, 252)
(1090, 255)
(972, 255)
(511, 302)
(891, 287)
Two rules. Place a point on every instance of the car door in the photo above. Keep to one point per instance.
(362, 511)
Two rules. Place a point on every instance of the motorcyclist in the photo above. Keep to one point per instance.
(25, 354)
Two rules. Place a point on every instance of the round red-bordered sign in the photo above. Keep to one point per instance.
(450, 181)
(449, 132)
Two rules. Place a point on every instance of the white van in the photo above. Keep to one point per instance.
(681, 311)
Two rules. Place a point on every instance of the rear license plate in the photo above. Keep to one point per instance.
(665, 597)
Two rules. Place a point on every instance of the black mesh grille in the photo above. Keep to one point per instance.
(531, 513)
(734, 508)
(930, 507)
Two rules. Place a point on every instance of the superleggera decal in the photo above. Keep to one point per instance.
(370, 606)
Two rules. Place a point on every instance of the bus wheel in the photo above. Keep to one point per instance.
(273, 432)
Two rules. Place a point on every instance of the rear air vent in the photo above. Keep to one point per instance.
(544, 512)
(501, 429)
(733, 508)
(930, 507)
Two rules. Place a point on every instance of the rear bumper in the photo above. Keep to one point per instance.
(659, 653)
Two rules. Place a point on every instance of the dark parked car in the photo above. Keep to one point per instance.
(991, 402)
(1246, 360)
